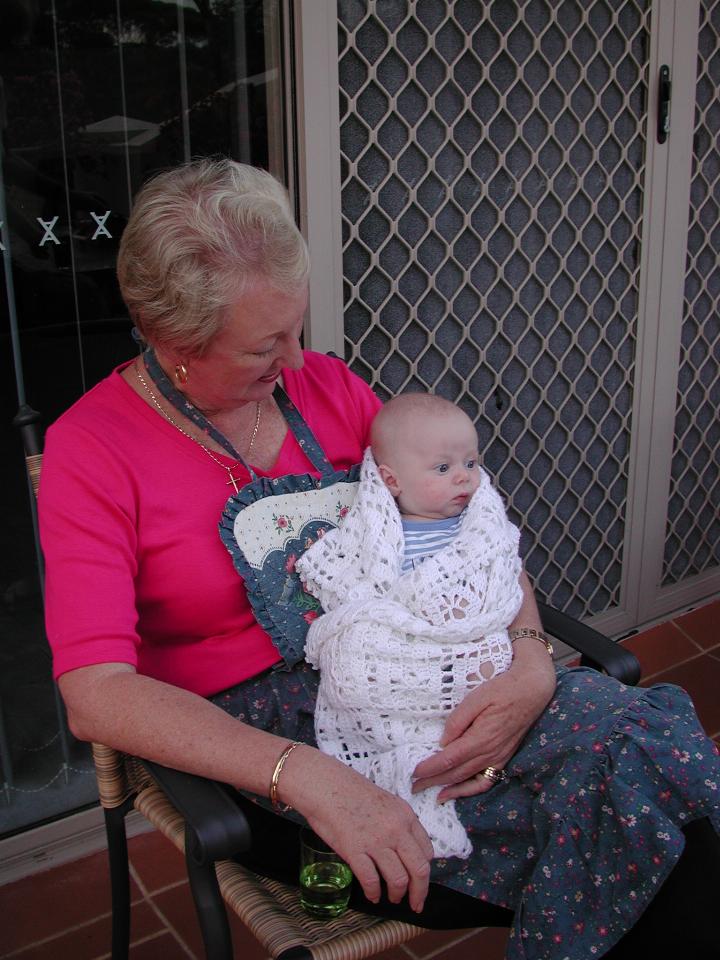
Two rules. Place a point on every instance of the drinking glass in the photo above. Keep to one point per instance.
(325, 878)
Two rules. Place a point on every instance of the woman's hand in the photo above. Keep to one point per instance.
(375, 832)
(487, 727)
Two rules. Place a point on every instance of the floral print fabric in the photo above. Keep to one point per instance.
(266, 527)
(589, 823)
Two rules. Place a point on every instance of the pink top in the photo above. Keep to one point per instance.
(129, 511)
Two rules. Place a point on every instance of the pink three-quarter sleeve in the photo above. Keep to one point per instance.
(88, 531)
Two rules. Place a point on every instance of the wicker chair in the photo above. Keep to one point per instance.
(210, 822)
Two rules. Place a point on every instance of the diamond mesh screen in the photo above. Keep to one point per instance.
(692, 542)
(492, 174)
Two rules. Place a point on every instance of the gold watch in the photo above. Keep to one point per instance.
(521, 632)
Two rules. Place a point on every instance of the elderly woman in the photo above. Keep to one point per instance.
(157, 651)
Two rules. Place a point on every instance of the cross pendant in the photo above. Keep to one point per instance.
(232, 481)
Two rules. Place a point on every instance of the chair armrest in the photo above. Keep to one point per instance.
(218, 828)
(596, 649)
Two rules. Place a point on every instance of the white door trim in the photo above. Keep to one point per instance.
(318, 155)
(61, 841)
(675, 41)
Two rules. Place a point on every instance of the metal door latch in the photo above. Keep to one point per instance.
(664, 90)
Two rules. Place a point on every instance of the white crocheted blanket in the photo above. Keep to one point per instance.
(397, 651)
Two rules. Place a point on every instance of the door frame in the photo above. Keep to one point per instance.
(318, 162)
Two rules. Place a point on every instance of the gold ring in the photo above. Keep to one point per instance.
(492, 773)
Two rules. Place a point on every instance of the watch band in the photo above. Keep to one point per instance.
(521, 632)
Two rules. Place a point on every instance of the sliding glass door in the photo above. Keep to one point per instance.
(94, 98)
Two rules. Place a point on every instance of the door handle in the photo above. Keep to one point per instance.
(664, 91)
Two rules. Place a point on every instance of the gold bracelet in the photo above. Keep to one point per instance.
(281, 807)
(531, 632)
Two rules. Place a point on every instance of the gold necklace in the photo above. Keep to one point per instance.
(233, 480)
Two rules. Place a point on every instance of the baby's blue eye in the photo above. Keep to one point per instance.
(471, 464)
(442, 468)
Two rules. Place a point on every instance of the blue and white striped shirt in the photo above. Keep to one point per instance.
(423, 538)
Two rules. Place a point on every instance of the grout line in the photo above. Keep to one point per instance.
(107, 914)
(169, 886)
(60, 933)
(681, 663)
(447, 946)
(135, 943)
(686, 634)
(158, 912)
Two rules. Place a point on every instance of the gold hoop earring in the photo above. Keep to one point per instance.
(181, 373)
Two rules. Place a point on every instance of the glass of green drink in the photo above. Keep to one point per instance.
(325, 878)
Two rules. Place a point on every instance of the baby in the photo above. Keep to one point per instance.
(418, 585)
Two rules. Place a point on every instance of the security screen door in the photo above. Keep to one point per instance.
(494, 173)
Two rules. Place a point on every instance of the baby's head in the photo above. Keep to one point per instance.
(426, 451)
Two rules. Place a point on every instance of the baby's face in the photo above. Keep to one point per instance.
(436, 468)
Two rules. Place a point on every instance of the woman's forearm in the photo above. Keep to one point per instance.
(114, 705)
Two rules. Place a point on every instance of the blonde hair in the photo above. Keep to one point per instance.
(395, 421)
(198, 237)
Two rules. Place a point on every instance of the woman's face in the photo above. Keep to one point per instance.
(243, 362)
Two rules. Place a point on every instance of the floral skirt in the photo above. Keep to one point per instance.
(581, 835)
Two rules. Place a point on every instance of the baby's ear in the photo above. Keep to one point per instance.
(389, 478)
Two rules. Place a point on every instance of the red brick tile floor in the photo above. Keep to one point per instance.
(65, 912)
